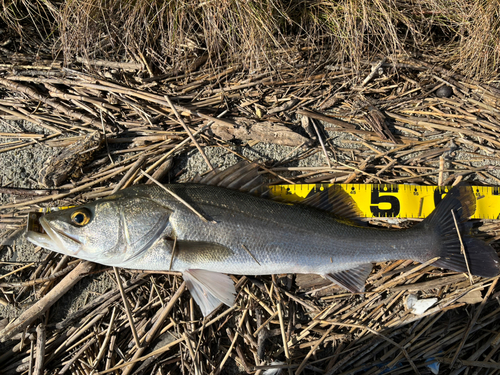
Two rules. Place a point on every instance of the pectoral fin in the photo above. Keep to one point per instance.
(209, 289)
(352, 279)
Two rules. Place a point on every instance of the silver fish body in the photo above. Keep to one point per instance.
(141, 226)
(250, 235)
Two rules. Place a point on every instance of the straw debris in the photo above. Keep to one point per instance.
(406, 134)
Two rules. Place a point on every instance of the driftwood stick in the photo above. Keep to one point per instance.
(39, 308)
(40, 349)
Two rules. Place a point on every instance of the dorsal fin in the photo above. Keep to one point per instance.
(333, 199)
(243, 176)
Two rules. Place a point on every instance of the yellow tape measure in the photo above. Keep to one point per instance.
(398, 201)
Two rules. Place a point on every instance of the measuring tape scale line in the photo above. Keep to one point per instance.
(397, 201)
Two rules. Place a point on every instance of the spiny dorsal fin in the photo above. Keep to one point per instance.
(243, 176)
(333, 199)
(352, 279)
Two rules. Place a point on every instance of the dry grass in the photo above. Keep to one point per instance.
(464, 34)
(168, 33)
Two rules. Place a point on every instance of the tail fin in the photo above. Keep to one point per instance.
(481, 258)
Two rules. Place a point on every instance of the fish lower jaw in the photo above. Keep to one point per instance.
(48, 240)
(42, 240)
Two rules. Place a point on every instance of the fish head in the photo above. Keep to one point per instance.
(110, 231)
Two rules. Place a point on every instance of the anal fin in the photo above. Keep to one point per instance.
(352, 279)
(209, 289)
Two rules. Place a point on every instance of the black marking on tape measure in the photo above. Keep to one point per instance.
(377, 199)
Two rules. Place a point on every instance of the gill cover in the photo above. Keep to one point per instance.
(139, 224)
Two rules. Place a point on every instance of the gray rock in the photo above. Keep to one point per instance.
(444, 91)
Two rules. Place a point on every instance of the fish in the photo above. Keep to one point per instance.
(215, 228)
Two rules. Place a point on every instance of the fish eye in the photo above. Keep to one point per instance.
(81, 217)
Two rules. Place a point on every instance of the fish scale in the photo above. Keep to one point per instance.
(141, 226)
(281, 236)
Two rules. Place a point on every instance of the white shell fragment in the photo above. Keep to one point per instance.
(433, 365)
(419, 306)
(274, 371)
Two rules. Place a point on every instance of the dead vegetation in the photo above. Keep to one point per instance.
(178, 36)
(158, 79)
(404, 129)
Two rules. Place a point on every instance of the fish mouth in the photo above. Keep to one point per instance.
(52, 239)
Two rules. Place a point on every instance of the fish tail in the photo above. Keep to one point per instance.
(482, 259)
